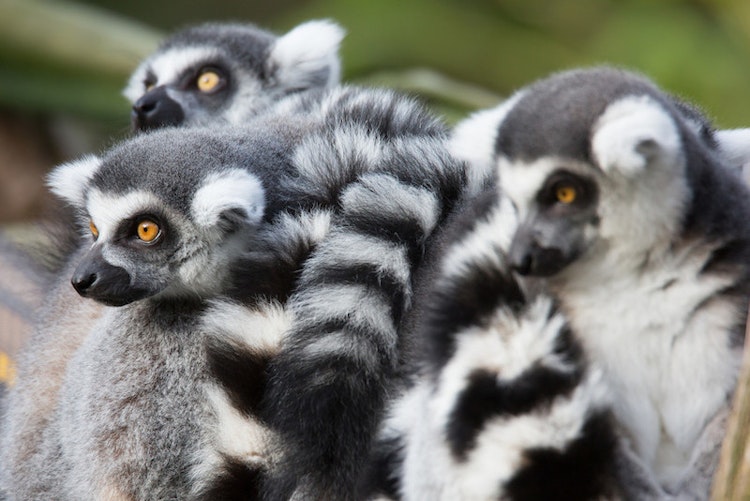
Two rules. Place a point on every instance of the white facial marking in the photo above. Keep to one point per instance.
(166, 67)
(107, 211)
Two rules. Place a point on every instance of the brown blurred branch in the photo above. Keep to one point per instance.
(732, 480)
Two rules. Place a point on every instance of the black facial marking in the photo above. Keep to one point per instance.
(97, 279)
(156, 109)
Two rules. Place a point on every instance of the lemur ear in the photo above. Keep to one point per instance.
(69, 180)
(307, 56)
(734, 147)
(229, 200)
(473, 140)
(632, 134)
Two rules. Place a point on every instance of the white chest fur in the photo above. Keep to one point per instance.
(662, 337)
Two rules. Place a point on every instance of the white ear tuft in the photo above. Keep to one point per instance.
(307, 56)
(69, 180)
(234, 196)
(632, 133)
(734, 148)
(473, 141)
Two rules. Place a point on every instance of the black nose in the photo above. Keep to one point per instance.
(538, 261)
(82, 282)
(156, 109)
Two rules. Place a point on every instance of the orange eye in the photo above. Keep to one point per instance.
(208, 81)
(148, 230)
(566, 194)
(94, 230)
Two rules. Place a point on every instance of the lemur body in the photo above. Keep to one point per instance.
(630, 213)
(137, 409)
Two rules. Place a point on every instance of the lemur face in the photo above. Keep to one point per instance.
(557, 203)
(594, 162)
(164, 213)
(188, 85)
(227, 73)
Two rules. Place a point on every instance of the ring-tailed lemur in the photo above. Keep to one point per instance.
(145, 403)
(226, 73)
(641, 231)
(376, 165)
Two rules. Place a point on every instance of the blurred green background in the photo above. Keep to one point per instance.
(63, 64)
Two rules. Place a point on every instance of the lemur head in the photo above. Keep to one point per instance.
(215, 73)
(163, 214)
(594, 160)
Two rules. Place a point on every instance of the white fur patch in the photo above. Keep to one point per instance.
(499, 449)
(473, 141)
(230, 190)
(508, 346)
(734, 149)
(483, 245)
(307, 50)
(238, 435)
(313, 225)
(69, 180)
(669, 364)
(352, 302)
(107, 211)
(261, 328)
(632, 133)
(166, 67)
(352, 249)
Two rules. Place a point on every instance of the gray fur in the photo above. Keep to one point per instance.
(111, 402)
(318, 193)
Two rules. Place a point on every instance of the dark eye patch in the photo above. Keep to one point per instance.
(127, 231)
(564, 188)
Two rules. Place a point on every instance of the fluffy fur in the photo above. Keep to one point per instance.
(255, 69)
(503, 403)
(649, 261)
(393, 182)
(135, 401)
(353, 182)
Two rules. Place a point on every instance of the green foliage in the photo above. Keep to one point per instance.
(57, 56)
(458, 54)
